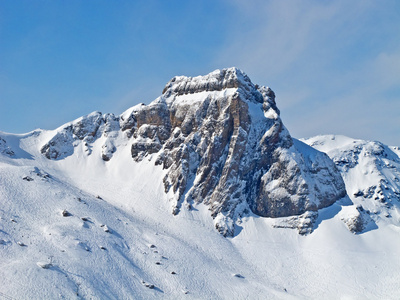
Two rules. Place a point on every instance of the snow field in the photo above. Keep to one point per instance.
(146, 243)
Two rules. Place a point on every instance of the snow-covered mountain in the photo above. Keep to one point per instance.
(221, 142)
(196, 196)
(371, 171)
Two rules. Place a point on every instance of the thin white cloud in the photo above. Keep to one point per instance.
(330, 63)
(280, 32)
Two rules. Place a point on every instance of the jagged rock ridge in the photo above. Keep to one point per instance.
(222, 142)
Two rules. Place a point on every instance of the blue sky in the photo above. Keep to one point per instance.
(334, 65)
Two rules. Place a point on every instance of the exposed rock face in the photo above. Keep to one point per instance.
(358, 221)
(86, 129)
(5, 149)
(303, 223)
(222, 142)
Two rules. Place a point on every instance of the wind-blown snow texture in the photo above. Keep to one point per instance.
(85, 210)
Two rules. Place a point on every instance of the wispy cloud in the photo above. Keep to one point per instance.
(334, 65)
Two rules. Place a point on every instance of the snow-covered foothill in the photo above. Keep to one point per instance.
(371, 172)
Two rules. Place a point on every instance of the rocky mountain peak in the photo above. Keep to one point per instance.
(222, 143)
(214, 81)
(218, 80)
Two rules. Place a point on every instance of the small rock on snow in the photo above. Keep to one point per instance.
(44, 265)
(148, 285)
(27, 178)
(65, 213)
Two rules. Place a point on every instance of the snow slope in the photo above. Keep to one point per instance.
(78, 226)
(275, 263)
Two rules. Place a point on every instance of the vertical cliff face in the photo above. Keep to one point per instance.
(222, 143)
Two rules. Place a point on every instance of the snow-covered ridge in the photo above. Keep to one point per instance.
(86, 129)
(371, 171)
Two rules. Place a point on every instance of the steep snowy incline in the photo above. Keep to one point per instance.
(371, 171)
(107, 238)
(72, 232)
(221, 142)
